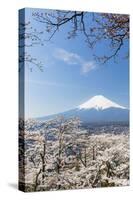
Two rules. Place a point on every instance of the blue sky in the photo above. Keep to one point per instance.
(71, 75)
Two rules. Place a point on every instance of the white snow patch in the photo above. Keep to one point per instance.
(99, 102)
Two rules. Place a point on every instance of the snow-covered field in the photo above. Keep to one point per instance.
(59, 154)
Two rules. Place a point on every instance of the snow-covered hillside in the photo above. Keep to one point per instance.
(96, 109)
(62, 155)
(99, 102)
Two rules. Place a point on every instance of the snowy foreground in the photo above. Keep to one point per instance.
(59, 154)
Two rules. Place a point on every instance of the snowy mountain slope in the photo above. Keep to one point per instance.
(99, 102)
(97, 109)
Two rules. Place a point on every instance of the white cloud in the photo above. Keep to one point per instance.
(68, 57)
(74, 59)
(88, 66)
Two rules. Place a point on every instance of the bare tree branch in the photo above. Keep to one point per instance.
(96, 28)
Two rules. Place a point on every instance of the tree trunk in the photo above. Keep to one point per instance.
(36, 180)
(85, 158)
(94, 154)
(43, 162)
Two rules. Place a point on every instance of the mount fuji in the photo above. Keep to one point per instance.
(96, 109)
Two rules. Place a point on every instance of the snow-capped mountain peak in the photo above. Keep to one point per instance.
(99, 102)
